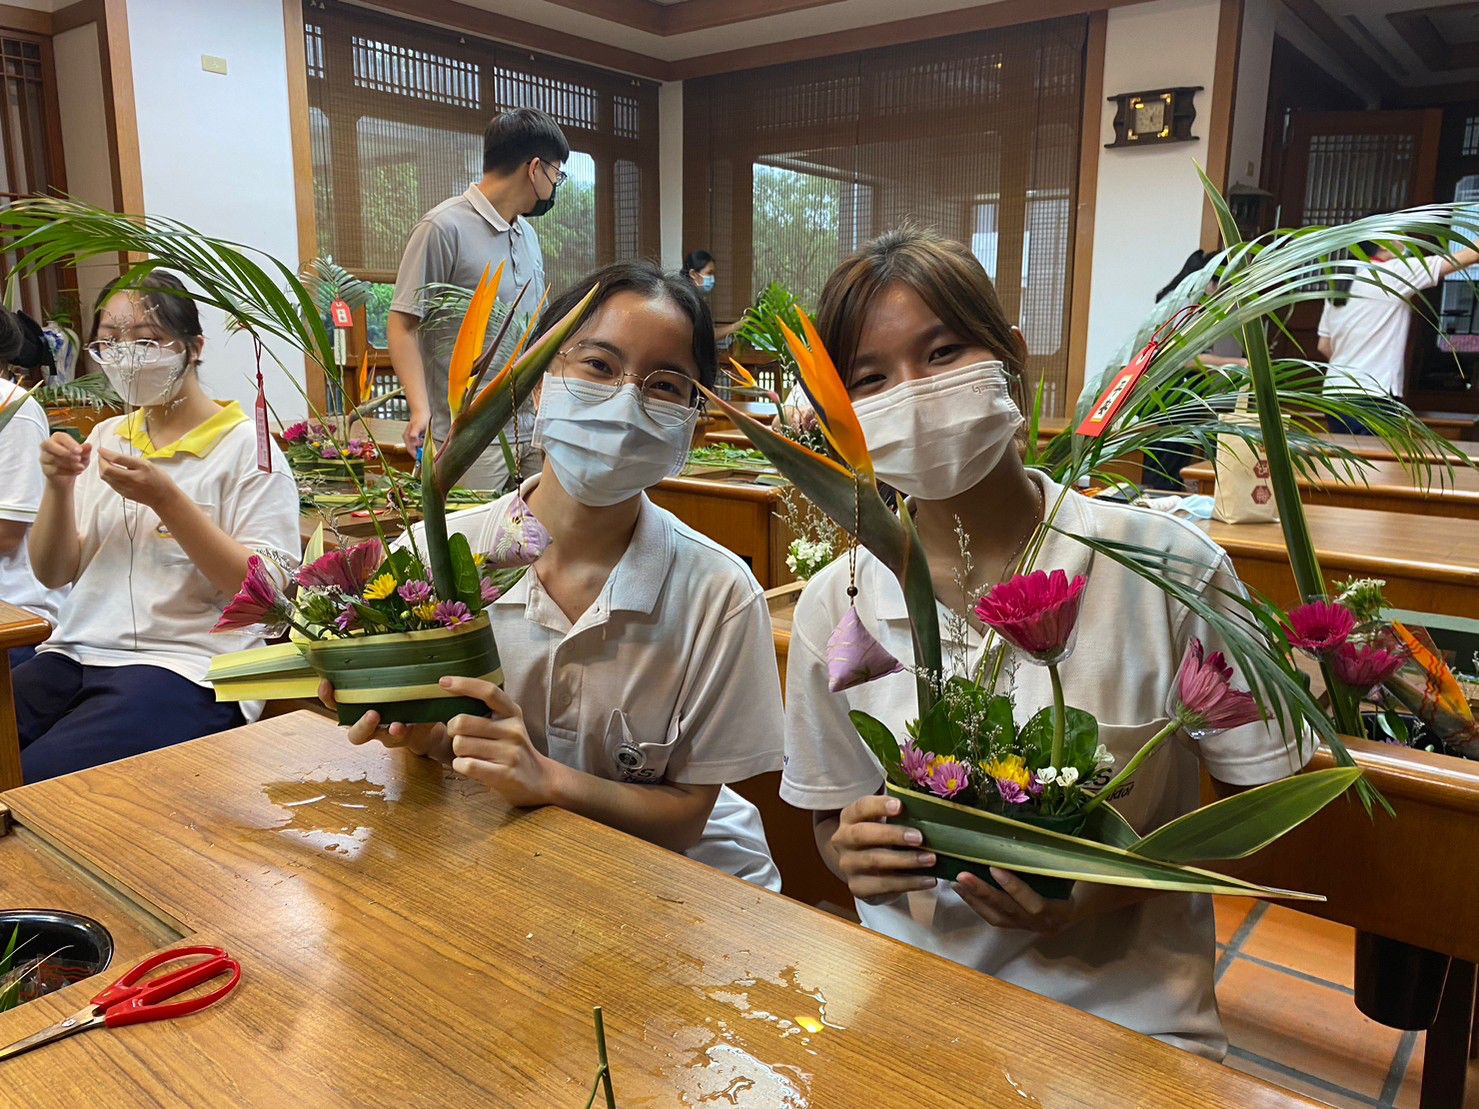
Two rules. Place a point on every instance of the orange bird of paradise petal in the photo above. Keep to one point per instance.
(470, 336)
(835, 416)
(518, 352)
(362, 379)
(1443, 690)
(743, 421)
(740, 376)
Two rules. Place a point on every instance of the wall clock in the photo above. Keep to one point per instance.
(1154, 117)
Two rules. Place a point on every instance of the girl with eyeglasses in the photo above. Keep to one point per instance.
(639, 670)
(151, 522)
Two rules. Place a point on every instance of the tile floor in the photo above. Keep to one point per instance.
(1284, 984)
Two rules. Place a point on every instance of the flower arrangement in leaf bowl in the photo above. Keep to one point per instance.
(1417, 701)
(311, 448)
(381, 625)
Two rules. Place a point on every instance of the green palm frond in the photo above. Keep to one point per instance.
(327, 281)
(88, 391)
(257, 293)
(760, 327)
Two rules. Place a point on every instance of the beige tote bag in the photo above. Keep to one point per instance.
(1244, 493)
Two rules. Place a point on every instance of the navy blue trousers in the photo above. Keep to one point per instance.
(72, 716)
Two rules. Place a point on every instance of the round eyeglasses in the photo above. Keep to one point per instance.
(135, 352)
(592, 375)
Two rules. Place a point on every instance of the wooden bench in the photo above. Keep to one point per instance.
(1388, 487)
(1428, 563)
(18, 628)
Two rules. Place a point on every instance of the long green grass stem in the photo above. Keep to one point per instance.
(1133, 765)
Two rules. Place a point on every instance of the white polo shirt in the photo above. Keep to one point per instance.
(138, 599)
(21, 485)
(1149, 966)
(1368, 333)
(670, 676)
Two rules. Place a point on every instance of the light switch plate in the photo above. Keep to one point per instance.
(212, 64)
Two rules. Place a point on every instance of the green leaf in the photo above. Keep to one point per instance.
(939, 732)
(991, 840)
(1106, 825)
(1080, 738)
(1237, 826)
(468, 583)
(881, 742)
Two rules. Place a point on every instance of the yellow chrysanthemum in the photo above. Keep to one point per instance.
(380, 588)
(478, 558)
(425, 613)
(1008, 768)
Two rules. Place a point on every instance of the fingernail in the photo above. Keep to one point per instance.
(913, 837)
(444, 682)
(893, 806)
(925, 858)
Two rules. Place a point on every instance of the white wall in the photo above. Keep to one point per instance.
(1148, 205)
(216, 152)
(670, 170)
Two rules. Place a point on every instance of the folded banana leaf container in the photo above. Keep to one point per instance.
(396, 673)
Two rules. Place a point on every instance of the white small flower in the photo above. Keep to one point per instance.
(1102, 757)
(1067, 776)
(1048, 775)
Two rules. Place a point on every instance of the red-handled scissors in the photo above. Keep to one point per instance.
(132, 1000)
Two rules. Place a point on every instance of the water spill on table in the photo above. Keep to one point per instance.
(333, 814)
(762, 1032)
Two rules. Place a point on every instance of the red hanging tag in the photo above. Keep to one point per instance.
(340, 314)
(1097, 422)
(264, 434)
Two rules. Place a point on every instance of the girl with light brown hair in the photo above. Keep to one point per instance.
(935, 371)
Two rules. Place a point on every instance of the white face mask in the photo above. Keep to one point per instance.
(144, 384)
(607, 452)
(937, 437)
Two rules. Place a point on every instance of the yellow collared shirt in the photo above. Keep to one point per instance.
(199, 440)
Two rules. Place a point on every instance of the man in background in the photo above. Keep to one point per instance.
(523, 154)
(1363, 329)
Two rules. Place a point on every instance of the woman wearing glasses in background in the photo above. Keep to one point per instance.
(151, 522)
(639, 670)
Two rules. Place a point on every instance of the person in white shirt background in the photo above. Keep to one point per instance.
(935, 372)
(1364, 328)
(20, 495)
(639, 668)
(151, 522)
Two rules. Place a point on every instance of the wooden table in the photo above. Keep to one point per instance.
(1452, 425)
(1428, 563)
(1389, 488)
(407, 939)
(736, 514)
(1371, 446)
(18, 628)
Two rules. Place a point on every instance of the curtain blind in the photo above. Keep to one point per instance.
(397, 111)
(30, 154)
(789, 168)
